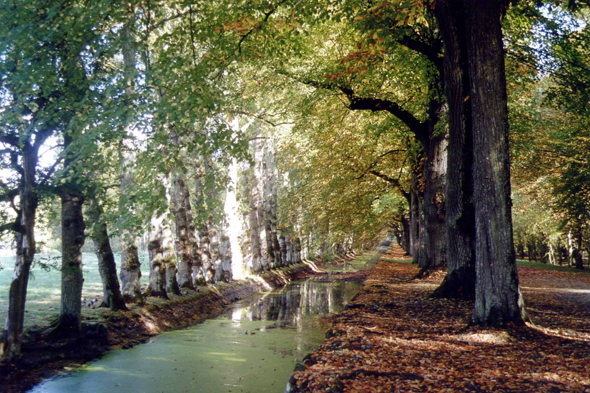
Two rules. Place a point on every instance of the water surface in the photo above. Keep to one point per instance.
(252, 347)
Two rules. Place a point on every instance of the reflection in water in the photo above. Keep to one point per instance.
(253, 347)
(306, 299)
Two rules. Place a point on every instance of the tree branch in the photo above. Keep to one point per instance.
(10, 140)
(266, 17)
(418, 128)
(391, 180)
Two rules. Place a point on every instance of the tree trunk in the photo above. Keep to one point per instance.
(406, 234)
(107, 268)
(172, 286)
(497, 296)
(11, 337)
(414, 223)
(270, 202)
(72, 239)
(183, 231)
(577, 248)
(459, 281)
(433, 202)
(130, 265)
(297, 250)
(421, 257)
(206, 200)
(130, 272)
(225, 272)
(256, 228)
(161, 254)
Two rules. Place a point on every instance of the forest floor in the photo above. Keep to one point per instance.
(106, 330)
(392, 338)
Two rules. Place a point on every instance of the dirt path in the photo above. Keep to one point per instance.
(392, 338)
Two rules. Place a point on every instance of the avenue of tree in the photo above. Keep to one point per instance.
(238, 136)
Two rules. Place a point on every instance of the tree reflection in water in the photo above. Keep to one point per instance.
(297, 304)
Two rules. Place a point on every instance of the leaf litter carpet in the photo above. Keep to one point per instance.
(392, 338)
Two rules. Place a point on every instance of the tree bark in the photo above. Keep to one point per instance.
(297, 250)
(112, 296)
(497, 296)
(460, 211)
(414, 222)
(577, 248)
(434, 205)
(161, 254)
(257, 239)
(72, 238)
(11, 337)
(172, 286)
(183, 230)
(206, 200)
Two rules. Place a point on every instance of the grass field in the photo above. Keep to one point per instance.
(44, 291)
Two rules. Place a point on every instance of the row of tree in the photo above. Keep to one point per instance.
(385, 114)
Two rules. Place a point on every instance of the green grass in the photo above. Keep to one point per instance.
(44, 290)
(547, 266)
(397, 260)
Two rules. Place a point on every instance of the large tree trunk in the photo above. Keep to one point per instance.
(497, 293)
(206, 198)
(130, 270)
(460, 211)
(112, 296)
(270, 203)
(11, 338)
(421, 257)
(161, 254)
(434, 196)
(172, 286)
(183, 231)
(72, 240)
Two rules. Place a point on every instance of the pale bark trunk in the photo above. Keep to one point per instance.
(161, 254)
(225, 266)
(256, 232)
(206, 198)
(270, 203)
(183, 233)
(283, 250)
(215, 254)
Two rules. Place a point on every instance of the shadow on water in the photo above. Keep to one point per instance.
(252, 347)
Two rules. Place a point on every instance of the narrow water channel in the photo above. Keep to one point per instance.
(252, 347)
